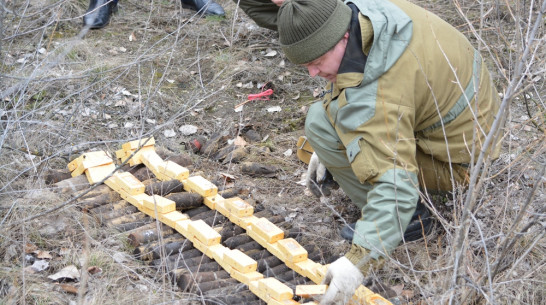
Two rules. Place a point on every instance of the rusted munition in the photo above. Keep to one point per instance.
(191, 213)
(185, 201)
(141, 172)
(206, 286)
(106, 216)
(93, 202)
(143, 237)
(237, 241)
(56, 175)
(212, 266)
(95, 192)
(213, 220)
(232, 192)
(189, 256)
(110, 207)
(268, 262)
(126, 219)
(171, 246)
(124, 227)
(71, 185)
(238, 294)
(230, 229)
(163, 188)
(185, 279)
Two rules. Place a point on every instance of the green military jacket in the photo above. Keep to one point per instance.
(409, 81)
(415, 89)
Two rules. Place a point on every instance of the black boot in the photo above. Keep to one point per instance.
(98, 13)
(421, 222)
(209, 7)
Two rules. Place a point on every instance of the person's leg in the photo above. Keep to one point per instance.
(436, 176)
(332, 154)
(98, 14)
(208, 7)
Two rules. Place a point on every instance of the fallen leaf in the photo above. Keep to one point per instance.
(69, 288)
(271, 53)
(239, 141)
(67, 273)
(188, 129)
(64, 251)
(128, 125)
(30, 248)
(132, 37)
(94, 270)
(228, 177)
(43, 254)
(408, 294)
(169, 133)
(40, 265)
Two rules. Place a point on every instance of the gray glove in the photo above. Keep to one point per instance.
(342, 278)
(319, 180)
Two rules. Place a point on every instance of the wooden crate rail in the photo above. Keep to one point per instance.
(204, 237)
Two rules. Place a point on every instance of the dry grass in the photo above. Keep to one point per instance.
(157, 67)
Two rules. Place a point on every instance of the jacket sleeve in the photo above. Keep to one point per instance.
(263, 12)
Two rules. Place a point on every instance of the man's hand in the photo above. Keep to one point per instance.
(319, 180)
(278, 2)
(342, 278)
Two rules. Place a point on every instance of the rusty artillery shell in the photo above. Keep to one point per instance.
(228, 193)
(71, 185)
(99, 200)
(206, 286)
(277, 270)
(167, 246)
(249, 246)
(97, 191)
(191, 213)
(185, 280)
(180, 259)
(268, 262)
(141, 172)
(185, 201)
(143, 237)
(106, 216)
(230, 230)
(236, 241)
(56, 175)
(126, 219)
(124, 227)
(163, 188)
(212, 266)
(238, 294)
(110, 207)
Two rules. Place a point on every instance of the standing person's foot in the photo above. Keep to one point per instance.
(209, 7)
(98, 14)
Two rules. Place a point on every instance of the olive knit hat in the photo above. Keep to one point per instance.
(310, 28)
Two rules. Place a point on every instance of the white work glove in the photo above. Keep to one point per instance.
(319, 180)
(342, 278)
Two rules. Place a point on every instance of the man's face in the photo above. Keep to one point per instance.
(327, 65)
